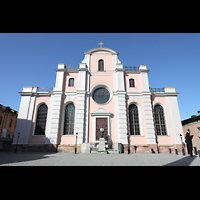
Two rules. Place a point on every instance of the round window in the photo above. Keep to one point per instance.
(101, 95)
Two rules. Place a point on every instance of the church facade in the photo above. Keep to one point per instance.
(99, 92)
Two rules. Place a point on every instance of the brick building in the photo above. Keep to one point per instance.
(193, 124)
(8, 120)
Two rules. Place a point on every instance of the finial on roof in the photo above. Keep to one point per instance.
(101, 44)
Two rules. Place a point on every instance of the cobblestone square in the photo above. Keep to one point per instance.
(71, 159)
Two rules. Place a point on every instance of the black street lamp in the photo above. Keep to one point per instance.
(17, 142)
(128, 143)
(76, 143)
(183, 150)
(181, 140)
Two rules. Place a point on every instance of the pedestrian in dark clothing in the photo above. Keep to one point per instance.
(188, 140)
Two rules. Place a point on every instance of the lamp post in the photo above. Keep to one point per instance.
(128, 143)
(181, 140)
(183, 151)
(17, 141)
(76, 143)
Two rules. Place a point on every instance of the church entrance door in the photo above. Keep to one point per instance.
(99, 123)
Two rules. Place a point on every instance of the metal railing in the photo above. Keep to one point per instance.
(129, 68)
(44, 89)
(157, 89)
(72, 67)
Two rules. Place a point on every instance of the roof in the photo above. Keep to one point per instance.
(101, 49)
(190, 120)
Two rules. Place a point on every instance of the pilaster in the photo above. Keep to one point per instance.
(174, 114)
(24, 121)
(55, 107)
(121, 118)
(120, 105)
(81, 104)
(149, 122)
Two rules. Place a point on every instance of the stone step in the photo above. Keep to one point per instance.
(95, 150)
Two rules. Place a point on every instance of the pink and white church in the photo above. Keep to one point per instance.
(99, 92)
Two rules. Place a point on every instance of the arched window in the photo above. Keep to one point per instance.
(41, 120)
(101, 65)
(159, 120)
(134, 120)
(71, 82)
(69, 119)
(131, 83)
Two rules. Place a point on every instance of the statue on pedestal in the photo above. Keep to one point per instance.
(102, 147)
(101, 132)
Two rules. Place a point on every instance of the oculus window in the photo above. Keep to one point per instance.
(101, 95)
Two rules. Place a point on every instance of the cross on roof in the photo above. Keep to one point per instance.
(101, 44)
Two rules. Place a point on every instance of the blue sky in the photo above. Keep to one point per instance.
(30, 59)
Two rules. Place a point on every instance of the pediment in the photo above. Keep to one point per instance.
(101, 49)
(101, 111)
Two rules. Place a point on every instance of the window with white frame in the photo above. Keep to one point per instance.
(71, 82)
(101, 65)
(131, 82)
(134, 120)
(69, 119)
(41, 119)
(159, 120)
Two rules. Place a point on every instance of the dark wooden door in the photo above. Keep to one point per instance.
(99, 123)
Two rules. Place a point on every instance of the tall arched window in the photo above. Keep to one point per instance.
(41, 120)
(101, 65)
(159, 120)
(134, 120)
(69, 119)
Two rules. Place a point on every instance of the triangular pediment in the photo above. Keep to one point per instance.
(101, 111)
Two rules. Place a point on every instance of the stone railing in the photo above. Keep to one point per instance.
(44, 89)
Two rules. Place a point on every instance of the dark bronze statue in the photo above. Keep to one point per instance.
(188, 140)
(101, 131)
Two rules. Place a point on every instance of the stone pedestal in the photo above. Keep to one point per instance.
(102, 146)
(85, 148)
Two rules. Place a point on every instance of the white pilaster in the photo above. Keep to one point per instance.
(81, 104)
(174, 114)
(149, 122)
(80, 117)
(25, 115)
(55, 107)
(120, 104)
(150, 129)
(121, 125)
(144, 78)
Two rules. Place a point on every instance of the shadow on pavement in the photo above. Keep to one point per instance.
(9, 158)
(186, 161)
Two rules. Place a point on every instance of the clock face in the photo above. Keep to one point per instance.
(101, 95)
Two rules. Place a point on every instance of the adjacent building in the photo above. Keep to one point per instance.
(8, 120)
(193, 124)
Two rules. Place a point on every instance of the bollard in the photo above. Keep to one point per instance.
(199, 153)
(195, 150)
(176, 151)
(152, 151)
(170, 151)
(183, 152)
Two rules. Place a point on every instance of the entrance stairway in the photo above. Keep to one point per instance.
(109, 150)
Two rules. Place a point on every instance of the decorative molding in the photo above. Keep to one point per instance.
(101, 112)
